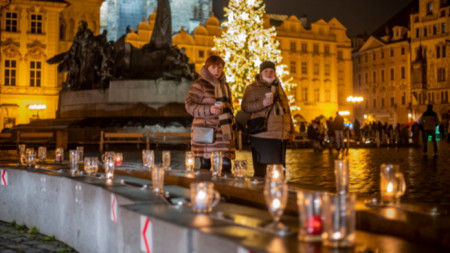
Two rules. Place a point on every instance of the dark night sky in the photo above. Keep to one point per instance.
(358, 16)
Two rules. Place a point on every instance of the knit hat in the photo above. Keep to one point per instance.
(265, 65)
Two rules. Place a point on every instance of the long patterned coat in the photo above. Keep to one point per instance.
(198, 102)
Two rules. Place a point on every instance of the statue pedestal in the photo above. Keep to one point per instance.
(128, 98)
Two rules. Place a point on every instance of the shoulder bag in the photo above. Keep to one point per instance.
(258, 125)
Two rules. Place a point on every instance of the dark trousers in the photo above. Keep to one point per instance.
(205, 164)
(267, 151)
(426, 133)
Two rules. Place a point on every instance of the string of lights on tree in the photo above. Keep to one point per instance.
(245, 43)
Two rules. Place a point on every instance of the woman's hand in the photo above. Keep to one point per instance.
(267, 101)
(214, 109)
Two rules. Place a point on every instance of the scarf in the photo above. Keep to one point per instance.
(276, 90)
(222, 94)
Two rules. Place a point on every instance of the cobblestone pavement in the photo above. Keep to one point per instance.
(20, 238)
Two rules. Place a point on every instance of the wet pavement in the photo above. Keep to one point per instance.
(427, 177)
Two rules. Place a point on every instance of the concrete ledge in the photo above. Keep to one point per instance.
(77, 210)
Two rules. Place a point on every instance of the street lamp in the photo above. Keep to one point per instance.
(38, 108)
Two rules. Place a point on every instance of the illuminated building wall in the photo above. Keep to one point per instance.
(30, 33)
(318, 58)
(382, 78)
(430, 53)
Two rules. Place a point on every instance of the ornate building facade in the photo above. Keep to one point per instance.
(30, 33)
(430, 38)
(117, 15)
(318, 57)
(415, 70)
(382, 78)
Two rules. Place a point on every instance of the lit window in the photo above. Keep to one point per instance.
(11, 22)
(10, 72)
(36, 24)
(35, 74)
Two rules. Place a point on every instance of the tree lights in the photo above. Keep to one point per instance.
(245, 43)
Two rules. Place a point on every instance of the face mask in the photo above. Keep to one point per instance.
(269, 80)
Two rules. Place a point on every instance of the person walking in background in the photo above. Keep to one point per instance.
(338, 126)
(428, 121)
(209, 102)
(263, 96)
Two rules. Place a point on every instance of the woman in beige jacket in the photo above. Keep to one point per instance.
(260, 97)
(209, 102)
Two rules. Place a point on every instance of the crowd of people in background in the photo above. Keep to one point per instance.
(334, 133)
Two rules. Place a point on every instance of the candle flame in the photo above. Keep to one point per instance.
(337, 235)
(276, 204)
(275, 174)
(390, 188)
(201, 195)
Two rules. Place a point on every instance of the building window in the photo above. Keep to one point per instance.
(304, 47)
(316, 94)
(425, 31)
(374, 103)
(392, 52)
(201, 53)
(374, 56)
(316, 48)
(403, 98)
(441, 74)
(374, 76)
(339, 55)
(10, 72)
(443, 27)
(434, 29)
(392, 74)
(316, 69)
(392, 101)
(11, 22)
(382, 102)
(327, 95)
(327, 69)
(417, 32)
(403, 51)
(367, 104)
(430, 8)
(293, 67)
(327, 49)
(366, 78)
(403, 72)
(382, 54)
(293, 46)
(304, 94)
(382, 75)
(36, 24)
(304, 67)
(438, 52)
(359, 79)
(35, 74)
(444, 51)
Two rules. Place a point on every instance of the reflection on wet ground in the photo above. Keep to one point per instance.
(427, 177)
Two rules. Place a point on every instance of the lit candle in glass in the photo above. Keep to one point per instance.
(314, 225)
(118, 159)
(201, 200)
(59, 154)
(190, 161)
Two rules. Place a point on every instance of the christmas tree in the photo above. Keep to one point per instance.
(245, 43)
